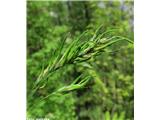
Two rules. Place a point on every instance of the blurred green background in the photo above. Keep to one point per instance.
(110, 94)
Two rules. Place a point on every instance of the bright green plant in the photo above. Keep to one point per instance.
(76, 52)
(73, 74)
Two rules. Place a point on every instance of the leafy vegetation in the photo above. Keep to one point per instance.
(80, 60)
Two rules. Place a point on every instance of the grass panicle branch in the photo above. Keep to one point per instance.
(77, 51)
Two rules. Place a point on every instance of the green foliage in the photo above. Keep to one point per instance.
(77, 70)
(114, 116)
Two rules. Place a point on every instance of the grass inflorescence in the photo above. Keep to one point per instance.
(77, 51)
